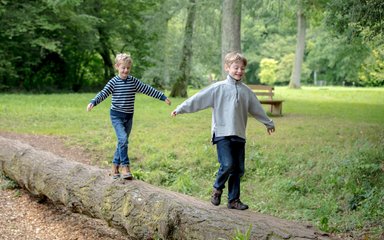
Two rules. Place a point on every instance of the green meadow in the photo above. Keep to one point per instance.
(323, 165)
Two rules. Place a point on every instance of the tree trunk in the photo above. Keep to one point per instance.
(164, 46)
(300, 47)
(103, 48)
(230, 29)
(179, 89)
(109, 70)
(141, 210)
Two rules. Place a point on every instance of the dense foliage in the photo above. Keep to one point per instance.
(68, 45)
(49, 45)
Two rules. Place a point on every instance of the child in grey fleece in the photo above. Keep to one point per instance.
(231, 101)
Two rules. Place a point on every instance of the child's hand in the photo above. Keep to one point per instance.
(173, 114)
(270, 130)
(89, 107)
(167, 101)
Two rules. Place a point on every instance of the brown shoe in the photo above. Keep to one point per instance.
(126, 172)
(237, 204)
(115, 171)
(216, 196)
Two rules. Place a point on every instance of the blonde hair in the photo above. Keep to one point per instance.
(234, 57)
(123, 57)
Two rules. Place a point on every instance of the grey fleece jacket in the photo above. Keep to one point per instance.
(231, 101)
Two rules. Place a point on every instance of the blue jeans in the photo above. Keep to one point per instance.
(122, 126)
(231, 156)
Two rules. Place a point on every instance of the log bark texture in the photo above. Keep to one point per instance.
(141, 210)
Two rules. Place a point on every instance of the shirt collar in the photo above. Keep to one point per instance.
(232, 81)
(124, 80)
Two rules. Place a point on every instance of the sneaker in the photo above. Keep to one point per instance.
(115, 171)
(237, 204)
(216, 197)
(126, 173)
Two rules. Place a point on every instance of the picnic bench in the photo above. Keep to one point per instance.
(268, 92)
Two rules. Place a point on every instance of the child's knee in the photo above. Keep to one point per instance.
(122, 142)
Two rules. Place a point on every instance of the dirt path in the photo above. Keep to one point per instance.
(24, 217)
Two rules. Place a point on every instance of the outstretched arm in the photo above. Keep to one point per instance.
(197, 102)
(102, 95)
(257, 111)
(148, 90)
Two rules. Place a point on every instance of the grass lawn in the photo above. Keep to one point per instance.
(324, 164)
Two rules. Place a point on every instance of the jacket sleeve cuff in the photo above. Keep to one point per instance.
(163, 97)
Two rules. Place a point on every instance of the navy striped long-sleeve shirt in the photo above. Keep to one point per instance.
(123, 93)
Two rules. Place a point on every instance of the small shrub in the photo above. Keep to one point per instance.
(7, 183)
(239, 235)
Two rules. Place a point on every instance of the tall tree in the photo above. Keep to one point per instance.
(306, 10)
(164, 54)
(104, 47)
(300, 47)
(179, 89)
(230, 28)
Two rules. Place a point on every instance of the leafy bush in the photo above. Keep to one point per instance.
(267, 73)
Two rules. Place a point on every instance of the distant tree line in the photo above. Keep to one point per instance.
(53, 46)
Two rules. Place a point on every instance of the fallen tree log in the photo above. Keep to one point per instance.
(141, 210)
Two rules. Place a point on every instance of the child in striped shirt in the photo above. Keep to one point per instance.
(123, 88)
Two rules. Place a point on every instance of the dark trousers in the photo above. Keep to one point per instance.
(231, 155)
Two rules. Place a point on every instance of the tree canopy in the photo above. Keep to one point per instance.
(49, 45)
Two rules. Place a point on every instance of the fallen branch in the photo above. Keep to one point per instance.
(140, 209)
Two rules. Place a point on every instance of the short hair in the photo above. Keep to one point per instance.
(234, 57)
(123, 57)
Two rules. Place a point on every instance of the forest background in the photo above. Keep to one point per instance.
(327, 165)
(50, 46)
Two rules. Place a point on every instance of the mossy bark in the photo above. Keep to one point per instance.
(141, 210)
(179, 89)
